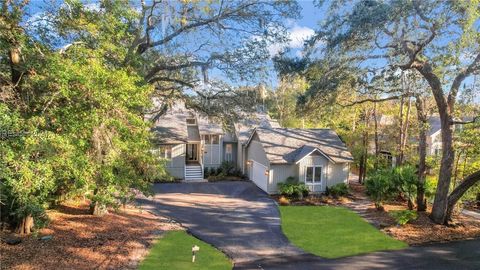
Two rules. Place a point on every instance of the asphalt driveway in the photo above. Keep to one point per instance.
(242, 221)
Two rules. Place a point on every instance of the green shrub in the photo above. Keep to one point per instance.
(430, 187)
(215, 178)
(206, 172)
(213, 171)
(386, 184)
(379, 187)
(293, 190)
(405, 180)
(227, 167)
(338, 190)
(403, 217)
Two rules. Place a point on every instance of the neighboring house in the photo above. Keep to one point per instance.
(434, 137)
(316, 157)
(258, 146)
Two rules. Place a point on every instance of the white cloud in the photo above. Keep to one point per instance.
(297, 35)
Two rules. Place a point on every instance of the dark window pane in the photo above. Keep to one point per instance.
(215, 139)
(318, 174)
(207, 139)
(309, 177)
(168, 151)
(191, 121)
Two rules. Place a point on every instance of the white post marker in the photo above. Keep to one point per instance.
(195, 249)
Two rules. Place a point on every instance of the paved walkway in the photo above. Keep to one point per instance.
(244, 222)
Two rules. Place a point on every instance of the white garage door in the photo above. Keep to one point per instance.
(257, 175)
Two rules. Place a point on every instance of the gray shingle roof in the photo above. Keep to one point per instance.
(245, 126)
(287, 145)
(435, 125)
(208, 127)
(171, 128)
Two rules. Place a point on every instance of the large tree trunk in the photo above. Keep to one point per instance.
(439, 210)
(25, 226)
(458, 192)
(361, 169)
(445, 108)
(422, 152)
(98, 209)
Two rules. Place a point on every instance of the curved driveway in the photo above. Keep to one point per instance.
(236, 217)
(244, 222)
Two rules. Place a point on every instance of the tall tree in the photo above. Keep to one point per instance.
(439, 39)
(177, 43)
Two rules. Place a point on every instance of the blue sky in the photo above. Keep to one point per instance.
(299, 30)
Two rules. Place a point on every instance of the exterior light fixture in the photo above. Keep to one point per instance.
(267, 172)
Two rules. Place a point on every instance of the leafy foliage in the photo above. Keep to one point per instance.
(78, 113)
(293, 189)
(379, 187)
(386, 184)
(338, 190)
(403, 217)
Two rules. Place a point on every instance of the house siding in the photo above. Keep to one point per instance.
(240, 157)
(229, 137)
(176, 166)
(213, 154)
(338, 173)
(279, 173)
(315, 160)
(255, 151)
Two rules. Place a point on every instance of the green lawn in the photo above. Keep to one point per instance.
(333, 232)
(174, 251)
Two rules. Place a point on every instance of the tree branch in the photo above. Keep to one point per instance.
(373, 100)
(474, 66)
(454, 122)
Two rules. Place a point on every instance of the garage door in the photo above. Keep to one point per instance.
(257, 175)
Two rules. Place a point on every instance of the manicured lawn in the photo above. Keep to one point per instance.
(333, 232)
(174, 251)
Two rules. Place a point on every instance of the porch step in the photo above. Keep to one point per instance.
(193, 172)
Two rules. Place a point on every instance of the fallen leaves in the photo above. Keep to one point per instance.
(82, 241)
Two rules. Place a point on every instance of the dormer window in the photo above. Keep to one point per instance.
(191, 121)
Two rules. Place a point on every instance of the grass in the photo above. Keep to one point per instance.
(174, 251)
(333, 232)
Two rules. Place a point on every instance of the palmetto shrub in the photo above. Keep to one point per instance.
(403, 217)
(386, 184)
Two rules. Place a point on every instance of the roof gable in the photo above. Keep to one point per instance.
(283, 145)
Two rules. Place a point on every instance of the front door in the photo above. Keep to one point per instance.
(192, 152)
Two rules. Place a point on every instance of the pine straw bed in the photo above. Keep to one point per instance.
(422, 230)
(81, 241)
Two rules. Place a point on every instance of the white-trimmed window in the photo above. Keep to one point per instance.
(313, 175)
(211, 139)
(163, 151)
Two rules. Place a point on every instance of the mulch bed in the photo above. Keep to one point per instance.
(118, 240)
